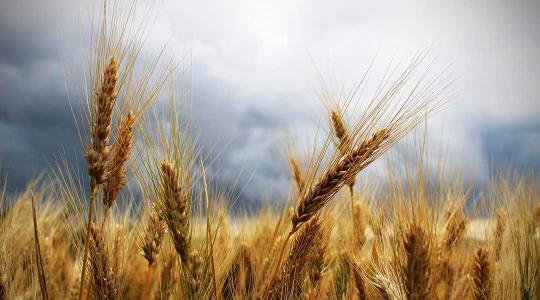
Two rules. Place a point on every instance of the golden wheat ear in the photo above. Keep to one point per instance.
(297, 174)
(288, 283)
(150, 245)
(104, 279)
(174, 210)
(482, 275)
(116, 171)
(97, 151)
(335, 177)
(416, 269)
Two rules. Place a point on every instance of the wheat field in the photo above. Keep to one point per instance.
(143, 219)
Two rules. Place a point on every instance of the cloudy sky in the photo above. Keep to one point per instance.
(254, 75)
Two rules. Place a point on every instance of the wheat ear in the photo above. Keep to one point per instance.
(174, 210)
(344, 143)
(103, 276)
(97, 151)
(151, 245)
(116, 178)
(482, 275)
(416, 268)
(335, 177)
(291, 276)
(297, 175)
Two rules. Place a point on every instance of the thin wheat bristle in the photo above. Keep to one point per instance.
(153, 237)
(103, 276)
(121, 150)
(482, 275)
(174, 210)
(416, 269)
(97, 152)
(335, 177)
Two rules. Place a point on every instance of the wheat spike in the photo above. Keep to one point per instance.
(335, 177)
(98, 150)
(316, 259)
(103, 275)
(116, 178)
(297, 175)
(482, 275)
(174, 210)
(293, 271)
(416, 268)
(455, 229)
(153, 236)
(340, 130)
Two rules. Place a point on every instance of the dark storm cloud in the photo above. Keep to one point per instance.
(515, 145)
(248, 78)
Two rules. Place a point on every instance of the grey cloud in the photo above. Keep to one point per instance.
(250, 67)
